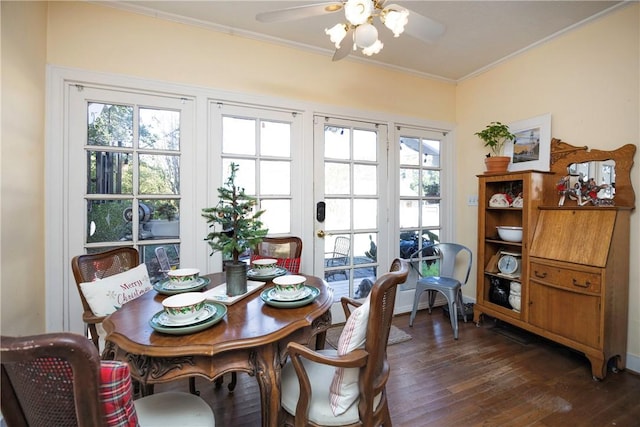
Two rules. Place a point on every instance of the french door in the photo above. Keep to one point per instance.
(128, 178)
(351, 225)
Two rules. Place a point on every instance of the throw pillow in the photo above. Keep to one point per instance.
(116, 394)
(344, 387)
(109, 294)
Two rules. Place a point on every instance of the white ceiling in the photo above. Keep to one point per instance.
(478, 33)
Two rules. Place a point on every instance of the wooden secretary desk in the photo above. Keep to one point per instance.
(573, 277)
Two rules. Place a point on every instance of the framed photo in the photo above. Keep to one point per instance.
(532, 145)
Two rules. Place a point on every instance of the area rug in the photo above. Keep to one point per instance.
(396, 335)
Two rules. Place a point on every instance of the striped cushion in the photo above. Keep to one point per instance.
(344, 387)
(116, 394)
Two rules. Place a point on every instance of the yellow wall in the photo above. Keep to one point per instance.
(24, 29)
(587, 79)
(104, 39)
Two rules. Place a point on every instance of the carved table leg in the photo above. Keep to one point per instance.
(266, 362)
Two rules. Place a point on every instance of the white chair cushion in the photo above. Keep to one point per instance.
(174, 409)
(320, 377)
(105, 296)
(344, 391)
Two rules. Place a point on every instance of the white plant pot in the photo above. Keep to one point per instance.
(164, 228)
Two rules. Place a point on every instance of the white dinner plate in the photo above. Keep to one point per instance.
(207, 312)
(274, 295)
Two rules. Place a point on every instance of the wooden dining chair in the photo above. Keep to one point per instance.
(90, 267)
(58, 379)
(346, 387)
(286, 250)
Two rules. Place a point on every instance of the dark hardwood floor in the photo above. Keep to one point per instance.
(494, 375)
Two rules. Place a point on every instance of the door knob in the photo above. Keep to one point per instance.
(320, 233)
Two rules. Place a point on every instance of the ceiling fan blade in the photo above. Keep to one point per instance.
(423, 28)
(299, 12)
(345, 47)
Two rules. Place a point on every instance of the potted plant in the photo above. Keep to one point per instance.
(236, 229)
(164, 222)
(494, 136)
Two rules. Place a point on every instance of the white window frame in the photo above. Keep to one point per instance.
(59, 282)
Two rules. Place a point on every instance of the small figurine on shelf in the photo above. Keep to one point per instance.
(583, 191)
(566, 189)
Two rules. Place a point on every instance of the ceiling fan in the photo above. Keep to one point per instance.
(359, 30)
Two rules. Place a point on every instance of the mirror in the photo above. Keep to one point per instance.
(600, 175)
(610, 168)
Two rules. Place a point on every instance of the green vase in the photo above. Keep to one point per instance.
(236, 274)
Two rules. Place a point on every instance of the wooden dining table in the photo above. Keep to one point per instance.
(251, 337)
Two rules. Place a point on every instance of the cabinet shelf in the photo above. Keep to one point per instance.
(574, 284)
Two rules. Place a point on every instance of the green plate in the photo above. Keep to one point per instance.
(164, 286)
(251, 274)
(314, 292)
(220, 309)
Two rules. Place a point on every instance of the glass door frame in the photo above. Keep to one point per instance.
(382, 194)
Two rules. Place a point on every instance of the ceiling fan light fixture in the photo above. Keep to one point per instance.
(336, 34)
(395, 18)
(358, 12)
(376, 47)
(365, 36)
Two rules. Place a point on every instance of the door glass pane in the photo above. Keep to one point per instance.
(275, 178)
(365, 213)
(109, 172)
(275, 139)
(277, 215)
(365, 145)
(409, 154)
(336, 178)
(431, 183)
(159, 259)
(337, 142)
(163, 221)
(409, 179)
(246, 175)
(159, 174)
(409, 213)
(338, 214)
(238, 136)
(260, 143)
(420, 191)
(430, 153)
(159, 129)
(364, 180)
(109, 125)
(107, 222)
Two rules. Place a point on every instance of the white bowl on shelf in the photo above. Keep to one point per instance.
(510, 234)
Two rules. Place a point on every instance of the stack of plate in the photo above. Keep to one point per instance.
(165, 287)
(256, 275)
(212, 313)
(271, 297)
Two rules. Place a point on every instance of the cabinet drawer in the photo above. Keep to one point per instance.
(567, 278)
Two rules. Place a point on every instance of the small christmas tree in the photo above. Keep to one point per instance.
(239, 227)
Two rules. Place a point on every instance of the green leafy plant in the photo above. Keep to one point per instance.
(236, 225)
(167, 210)
(495, 135)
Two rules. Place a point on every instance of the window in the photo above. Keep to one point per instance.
(133, 147)
(420, 209)
(261, 142)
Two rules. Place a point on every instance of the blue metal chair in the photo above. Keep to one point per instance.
(444, 282)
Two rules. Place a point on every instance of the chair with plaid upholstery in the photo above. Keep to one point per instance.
(58, 379)
(286, 250)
